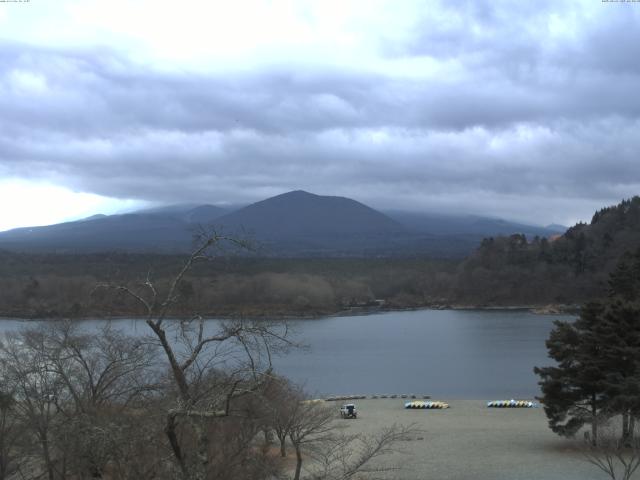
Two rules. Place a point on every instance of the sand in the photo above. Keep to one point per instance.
(471, 441)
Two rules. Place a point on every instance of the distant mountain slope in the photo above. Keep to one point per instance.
(441, 224)
(204, 214)
(557, 228)
(130, 232)
(159, 230)
(189, 212)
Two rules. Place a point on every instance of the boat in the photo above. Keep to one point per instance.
(511, 404)
(426, 405)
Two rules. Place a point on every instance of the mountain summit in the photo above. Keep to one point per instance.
(303, 214)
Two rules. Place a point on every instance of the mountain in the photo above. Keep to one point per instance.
(303, 214)
(296, 223)
(299, 223)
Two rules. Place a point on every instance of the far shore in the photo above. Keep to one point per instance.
(546, 309)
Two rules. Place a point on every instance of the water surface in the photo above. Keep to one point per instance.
(444, 353)
(474, 354)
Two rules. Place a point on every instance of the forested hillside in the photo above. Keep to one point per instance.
(571, 268)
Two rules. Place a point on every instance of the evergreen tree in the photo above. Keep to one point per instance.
(574, 391)
(597, 375)
(624, 281)
(619, 330)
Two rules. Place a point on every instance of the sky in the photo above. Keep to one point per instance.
(528, 111)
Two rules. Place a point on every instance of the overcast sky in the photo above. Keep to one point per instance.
(524, 110)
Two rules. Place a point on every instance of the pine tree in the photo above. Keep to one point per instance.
(574, 391)
(624, 281)
(619, 330)
(597, 375)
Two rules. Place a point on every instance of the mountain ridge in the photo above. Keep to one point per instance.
(296, 223)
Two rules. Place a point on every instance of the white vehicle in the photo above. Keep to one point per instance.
(348, 411)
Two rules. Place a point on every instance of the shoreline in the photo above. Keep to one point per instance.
(546, 309)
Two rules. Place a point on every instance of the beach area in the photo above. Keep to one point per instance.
(469, 441)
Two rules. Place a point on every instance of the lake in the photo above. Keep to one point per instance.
(456, 354)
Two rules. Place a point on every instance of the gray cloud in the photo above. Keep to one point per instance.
(523, 121)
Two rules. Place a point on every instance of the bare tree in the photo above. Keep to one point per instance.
(311, 425)
(346, 456)
(316, 438)
(335, 456)
(243, 349)
(105, 375)
(617, 457)
(282, 401)
(235, 439)
(28, 374)
(107, 368)
(11, 433)
(71, 391)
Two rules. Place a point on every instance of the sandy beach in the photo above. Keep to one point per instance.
(470, 441)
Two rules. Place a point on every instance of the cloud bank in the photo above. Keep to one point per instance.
(527, 112)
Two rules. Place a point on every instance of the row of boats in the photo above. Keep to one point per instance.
(493, 404)
(511, 404)
(428, 405)
(374, 397)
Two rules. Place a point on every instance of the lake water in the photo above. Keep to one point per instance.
(470, 354)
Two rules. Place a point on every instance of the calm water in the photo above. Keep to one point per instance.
(444, 353)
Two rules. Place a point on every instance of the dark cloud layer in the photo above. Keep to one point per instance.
(530, 112)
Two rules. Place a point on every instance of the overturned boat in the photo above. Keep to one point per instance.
(511, 404)
(427, 405)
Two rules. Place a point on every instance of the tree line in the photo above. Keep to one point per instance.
(62, 286)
